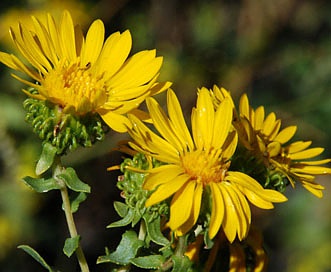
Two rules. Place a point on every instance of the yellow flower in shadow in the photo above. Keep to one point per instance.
(264, 136)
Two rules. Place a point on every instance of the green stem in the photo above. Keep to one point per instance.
(68, 214)
(181, 246)
(142, 231)
(180, 251)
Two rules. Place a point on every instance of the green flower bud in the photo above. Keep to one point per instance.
(131, 185)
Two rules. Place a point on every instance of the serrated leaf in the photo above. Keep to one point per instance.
(41, 185)
(124, 221)
(121, 208)
(76, 200)
(70, 245)
(149, 262)
(125, 251)
(71, 179)
(154, 230)
(35, 255)
(181, 263)
(46, 158)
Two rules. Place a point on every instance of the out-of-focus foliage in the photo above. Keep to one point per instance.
(277, 51)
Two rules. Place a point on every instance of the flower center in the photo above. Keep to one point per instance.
(204, 166)
(74, 88)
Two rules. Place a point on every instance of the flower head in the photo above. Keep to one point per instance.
(198, 164)
(267, 141)
(84, 74)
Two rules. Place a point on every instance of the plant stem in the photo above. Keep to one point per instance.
(181, 246)
(180, 251)
(68, 214)
(142, 231)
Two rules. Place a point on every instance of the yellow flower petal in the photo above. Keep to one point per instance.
(244, 106)
(93, 44)
(177, 119)
(230, 145)
(231, 224)
(190, 222)
(204, 118)
(217, 212)
(45, 41)
(114, 53)
(256, 199)
(306, 154)
(297, 146)
(271, 126)
(313, 170)
(223, 121)
(315, 191)
(181, 206)
(318, 162)
(26, 51)
(14, 63)
(33, 53)
(163, 124)
(160, 175)
(274, 149)
(166, 190)
(157, 146)
(259, 118)
(246, 215)
(137, 70)
(286, 134)
(115, 121)
(67, 37)
(243, 180)
(55, 36)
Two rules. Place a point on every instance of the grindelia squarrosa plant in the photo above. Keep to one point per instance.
(187, 186)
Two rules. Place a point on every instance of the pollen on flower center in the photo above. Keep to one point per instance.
(75, 88)
(204, 166)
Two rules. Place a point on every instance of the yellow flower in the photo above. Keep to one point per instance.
(239, 255)
(196, 164)
(84, 74)
(263, 136)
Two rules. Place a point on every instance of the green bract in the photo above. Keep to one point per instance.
(65, 131)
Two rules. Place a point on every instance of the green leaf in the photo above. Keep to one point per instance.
(41, 185)
(70, 245)
(46, 158)
(149, 262)
(124, 221)
(136, 217)
(154, 230)
(208, 242)
(35, 255)
(125, 251)
(75, 201)
(71, 179)
(121, 208)
(181, 263)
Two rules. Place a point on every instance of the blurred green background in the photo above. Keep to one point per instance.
(279, 52)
